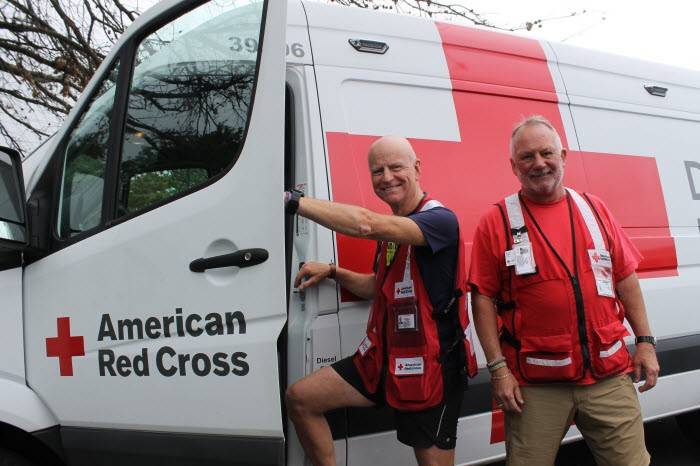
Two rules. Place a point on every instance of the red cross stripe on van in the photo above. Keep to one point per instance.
(64, 346)
(491, 92)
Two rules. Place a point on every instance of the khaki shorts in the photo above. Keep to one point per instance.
(607, 414)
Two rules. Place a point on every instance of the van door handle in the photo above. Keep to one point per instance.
(243, 258)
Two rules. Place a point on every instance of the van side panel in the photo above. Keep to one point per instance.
(643, 158)
(615, 115)
(456, 93)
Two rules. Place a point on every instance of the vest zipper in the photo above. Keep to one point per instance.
(581, 317)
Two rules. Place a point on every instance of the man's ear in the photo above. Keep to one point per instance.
(563, 156)
(512, 166)
(417, 167)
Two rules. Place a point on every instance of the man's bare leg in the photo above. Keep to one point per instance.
(307, 401)
(434, 456)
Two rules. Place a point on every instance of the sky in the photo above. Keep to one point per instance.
(662, 31)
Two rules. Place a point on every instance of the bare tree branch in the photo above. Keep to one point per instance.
(33, 102)
(48, 53)
(13, 142)
(441, 9)
(23, 123)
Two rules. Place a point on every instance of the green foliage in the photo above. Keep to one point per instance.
(148, 188)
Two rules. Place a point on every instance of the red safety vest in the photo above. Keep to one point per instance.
(403, 316)
(556, 324)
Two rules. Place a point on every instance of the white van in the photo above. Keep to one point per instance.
(146, 310)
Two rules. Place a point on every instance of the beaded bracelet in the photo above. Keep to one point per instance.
(331, 274)
(498, 365)
(495, 361)
(501, 377)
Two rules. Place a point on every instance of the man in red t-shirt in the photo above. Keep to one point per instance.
(559, 271)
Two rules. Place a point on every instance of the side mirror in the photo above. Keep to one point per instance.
(13, 218)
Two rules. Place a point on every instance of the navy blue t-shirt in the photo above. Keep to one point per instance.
(438, 259)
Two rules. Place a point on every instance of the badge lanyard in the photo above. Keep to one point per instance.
(405, 310)
(521, 255)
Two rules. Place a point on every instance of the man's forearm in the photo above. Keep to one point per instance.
(343, 218)
(359, 284)
(630, 293)
(360, 222)
(486, 325)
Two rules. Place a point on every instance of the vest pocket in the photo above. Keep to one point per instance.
(609, 353)
(408, 378)
(547, 358)
(413, 379)
(367, 359)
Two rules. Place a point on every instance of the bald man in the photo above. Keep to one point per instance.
(411, 357)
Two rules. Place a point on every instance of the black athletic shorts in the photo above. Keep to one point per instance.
(418, 429)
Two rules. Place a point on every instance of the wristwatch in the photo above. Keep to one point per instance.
(646, 339)
(291, 201)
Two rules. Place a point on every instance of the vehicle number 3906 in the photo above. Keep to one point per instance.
(250, 45)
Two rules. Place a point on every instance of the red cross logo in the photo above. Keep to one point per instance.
(596, 257)
(400, 367)
(64, 346)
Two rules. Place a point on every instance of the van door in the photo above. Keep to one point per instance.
(152, 322)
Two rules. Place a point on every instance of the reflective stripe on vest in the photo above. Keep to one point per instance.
(548, 362)
(517, 221)
(588, 217)
(431, 204)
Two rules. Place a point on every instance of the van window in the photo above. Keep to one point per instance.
(150, 187)
(11, 214)
(82, 182)
(188, 104)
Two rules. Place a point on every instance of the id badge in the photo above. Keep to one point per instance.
(403, 289)
(406, 317)
(524, 259)
(601, 263)
(365, 345)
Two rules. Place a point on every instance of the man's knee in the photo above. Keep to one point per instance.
(298, 399)
(308, 396)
